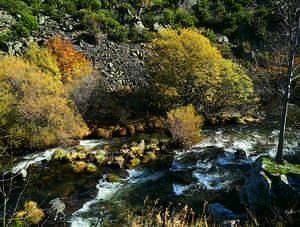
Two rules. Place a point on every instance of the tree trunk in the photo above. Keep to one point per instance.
(285, 101)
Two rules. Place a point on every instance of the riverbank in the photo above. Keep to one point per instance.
(213, 170)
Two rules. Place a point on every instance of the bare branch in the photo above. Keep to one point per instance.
(296, 77)
(130, 13)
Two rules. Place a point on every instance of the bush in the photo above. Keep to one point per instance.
(168, 17)
(34, 110)
(138, 37)
(26, 20)
(185, 68)
(184, 18)
(72, 64)
(184, 125)
(31, 215)
(102, 20)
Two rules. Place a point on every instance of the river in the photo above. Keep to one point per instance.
(211, 171)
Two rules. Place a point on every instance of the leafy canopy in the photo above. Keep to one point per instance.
(186, 68)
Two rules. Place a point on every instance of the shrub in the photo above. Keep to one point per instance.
(72, 64)
(184, 18)
(138, 37)
(26, 20)
(185, 68)
(42, 58)
(102, 20)
(184, 125)
(31, 214)
(34, 111)
(168, 16)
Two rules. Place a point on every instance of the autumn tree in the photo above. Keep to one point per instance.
(185, 68)
(72, 64)
(290, 12)
(34, 109)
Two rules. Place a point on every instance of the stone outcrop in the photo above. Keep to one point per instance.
(122, 65)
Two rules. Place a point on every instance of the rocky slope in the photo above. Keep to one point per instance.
(120, 64)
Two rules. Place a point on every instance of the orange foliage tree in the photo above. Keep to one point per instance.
(72, 63)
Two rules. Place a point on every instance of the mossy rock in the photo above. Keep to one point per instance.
(153, 147)
(112, 178)
(136, 151)
(134, 163)
(246, 120)
(131, 129)
(149, 156)
(156, 123)
(120, 161)
(92, 168)
(79, 166)
(140, 127)
(273, 168)
(73, 155)
(122, 131)
(100, 156)
(81, 155)
(82, 149)
(104, 132)
(59, 154)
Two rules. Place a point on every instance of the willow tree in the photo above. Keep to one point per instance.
(185, 68)
(290, 12)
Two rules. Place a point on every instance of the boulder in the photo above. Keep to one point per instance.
(223, 215)
(269, 187)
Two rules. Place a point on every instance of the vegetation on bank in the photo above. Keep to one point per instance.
(280, 169)
(39, 111)
(35, 107)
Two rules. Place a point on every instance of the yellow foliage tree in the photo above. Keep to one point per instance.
(36, 112)
(186, 68)
(184, 125)
(42, 58)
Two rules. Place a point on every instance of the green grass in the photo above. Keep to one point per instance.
(279, 169)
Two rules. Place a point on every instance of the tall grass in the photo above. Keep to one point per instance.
(158, 216)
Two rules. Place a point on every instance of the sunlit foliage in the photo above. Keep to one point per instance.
(34, 110)
(72, 64)
(186, 68)
(31, 214)
(184, 125)
(42, 58)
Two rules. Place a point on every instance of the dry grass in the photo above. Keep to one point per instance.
(158, 216)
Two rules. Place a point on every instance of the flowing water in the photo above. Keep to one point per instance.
(211, 171)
